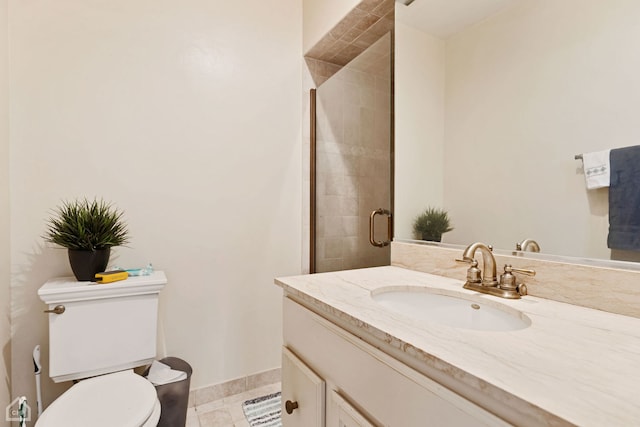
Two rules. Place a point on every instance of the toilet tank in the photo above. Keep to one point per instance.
(104, 327)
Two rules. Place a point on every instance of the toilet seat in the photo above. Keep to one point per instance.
(122, 399)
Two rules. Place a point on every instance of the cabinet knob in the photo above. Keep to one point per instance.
(58, 309)
(290, 406)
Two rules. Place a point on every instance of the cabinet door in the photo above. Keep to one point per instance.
(348, 416)
(303, 396)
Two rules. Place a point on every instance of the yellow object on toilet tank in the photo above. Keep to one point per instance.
(111, 276)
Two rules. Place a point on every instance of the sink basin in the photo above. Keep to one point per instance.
(453, 311)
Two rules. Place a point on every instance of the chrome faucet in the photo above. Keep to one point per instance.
(487, 283)
(528, 243)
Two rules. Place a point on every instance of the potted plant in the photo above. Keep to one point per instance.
(430, 224)
(88, 229)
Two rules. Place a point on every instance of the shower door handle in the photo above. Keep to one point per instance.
(372, 222)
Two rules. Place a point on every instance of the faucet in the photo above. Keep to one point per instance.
(526, 243)
(488, 262)
(487, 283)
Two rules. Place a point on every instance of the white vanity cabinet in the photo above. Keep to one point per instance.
(361, 385)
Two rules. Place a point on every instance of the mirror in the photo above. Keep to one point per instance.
(493, 101)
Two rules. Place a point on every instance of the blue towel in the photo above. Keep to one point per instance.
(624, 199)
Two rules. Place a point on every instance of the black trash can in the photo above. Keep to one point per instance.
(174, 397)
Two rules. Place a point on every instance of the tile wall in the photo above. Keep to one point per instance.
(353, 160)
(361, 28)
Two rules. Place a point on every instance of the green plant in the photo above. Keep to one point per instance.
(430, 224)
(87, 225)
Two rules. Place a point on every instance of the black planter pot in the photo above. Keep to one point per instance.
(85, 264)
(432, 238)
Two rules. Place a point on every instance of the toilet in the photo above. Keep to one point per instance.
(98, 333)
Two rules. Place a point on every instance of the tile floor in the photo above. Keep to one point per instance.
(226, 412)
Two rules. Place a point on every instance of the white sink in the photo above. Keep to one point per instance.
(453, 311)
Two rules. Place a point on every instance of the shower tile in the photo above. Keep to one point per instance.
(330, 264)
(327, 69)
(350, 226)
(351, 35)
(334, 248)
(349, 75)
(367, 96)
(369, 5)
(320, 228)
(382, 102)
(383, 84)
(351, 112)
(348, 206)
(332, 185)
(367, 115)
(352, 135)
(348, 22)
(351, 93)
(322, 47)
(384, 8)
(366, 23)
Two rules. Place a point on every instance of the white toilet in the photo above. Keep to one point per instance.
(98, 333)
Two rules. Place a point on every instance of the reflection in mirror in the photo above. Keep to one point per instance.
(493, 104)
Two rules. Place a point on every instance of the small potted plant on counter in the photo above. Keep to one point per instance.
(431, 224)
(88, 229)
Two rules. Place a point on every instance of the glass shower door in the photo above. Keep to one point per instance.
(353, 163)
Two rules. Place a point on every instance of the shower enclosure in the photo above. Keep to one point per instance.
(352, 160)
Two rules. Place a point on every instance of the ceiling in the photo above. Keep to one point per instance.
(443, 18)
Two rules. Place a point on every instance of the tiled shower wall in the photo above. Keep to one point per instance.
(355, 33)
(353, 162)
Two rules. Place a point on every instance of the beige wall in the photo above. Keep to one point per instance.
(187, 116)
(419, 123)
(5, 276)
(526, 91)
(319, 16)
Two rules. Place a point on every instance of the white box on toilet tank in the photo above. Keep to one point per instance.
(104, 327)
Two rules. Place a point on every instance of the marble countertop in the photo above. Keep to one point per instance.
(573, 364)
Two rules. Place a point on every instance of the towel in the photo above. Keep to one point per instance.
(596, 169)
(159, 374)
(624, 199)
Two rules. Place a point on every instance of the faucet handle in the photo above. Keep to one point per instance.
(508, 280)
(521, 270)
(474, 274)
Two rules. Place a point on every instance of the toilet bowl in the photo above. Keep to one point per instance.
(122, 399)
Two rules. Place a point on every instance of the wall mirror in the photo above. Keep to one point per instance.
(493, 101)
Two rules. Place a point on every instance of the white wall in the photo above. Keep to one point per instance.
(419, 123)
(5, 276)
(187, 116)
(319, 16)
(526, 91)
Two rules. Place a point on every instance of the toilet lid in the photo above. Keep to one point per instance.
(122, 399)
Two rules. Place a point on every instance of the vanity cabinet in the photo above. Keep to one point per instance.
(346, 382)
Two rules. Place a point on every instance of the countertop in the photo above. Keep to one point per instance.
(573, 364)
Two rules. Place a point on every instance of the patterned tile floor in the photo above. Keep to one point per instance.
(226, 412)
